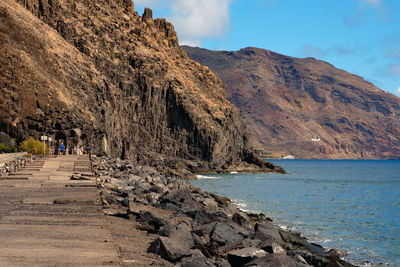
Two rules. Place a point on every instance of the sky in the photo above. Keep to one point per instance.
(359, 36)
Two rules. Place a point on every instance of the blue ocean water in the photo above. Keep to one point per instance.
(351, 205)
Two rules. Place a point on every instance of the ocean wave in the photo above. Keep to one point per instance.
(199, 176)
(241, 205)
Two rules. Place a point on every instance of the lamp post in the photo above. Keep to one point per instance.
(50, 139)
(44, 138)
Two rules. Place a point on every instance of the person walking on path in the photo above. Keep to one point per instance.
(89, 152)
(62, 148)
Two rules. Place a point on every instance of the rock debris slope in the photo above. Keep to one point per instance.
(95, 72)
(307, 107)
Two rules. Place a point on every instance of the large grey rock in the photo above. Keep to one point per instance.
(150, 222)
(267, 231)
(181, 233)
(210, 205)
(170, 249)
(182, 198)
(272, 261)
(299, 242)
(228, 233)
(243, 256)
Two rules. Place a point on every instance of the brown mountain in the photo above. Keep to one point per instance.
(307, 107)
(95, 72)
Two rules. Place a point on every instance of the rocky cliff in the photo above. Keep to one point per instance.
(95, 72)
(307, 107)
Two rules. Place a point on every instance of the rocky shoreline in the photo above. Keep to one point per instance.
(191, 227)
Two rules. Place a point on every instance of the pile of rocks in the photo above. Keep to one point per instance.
(13, 166)
(196, 228)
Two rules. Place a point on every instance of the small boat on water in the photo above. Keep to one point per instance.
(288, 157)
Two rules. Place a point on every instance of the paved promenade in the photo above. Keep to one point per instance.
(47, 219)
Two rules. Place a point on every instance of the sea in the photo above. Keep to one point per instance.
(350, 205)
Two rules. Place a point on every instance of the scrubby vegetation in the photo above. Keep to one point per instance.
(34, 146)
(7, 149)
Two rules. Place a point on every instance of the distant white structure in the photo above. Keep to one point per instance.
(288, 157)
(315, 139)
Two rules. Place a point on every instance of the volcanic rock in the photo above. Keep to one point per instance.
(243, 256)
(95, 72)
(208, 235)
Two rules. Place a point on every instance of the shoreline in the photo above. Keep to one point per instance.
(191, 226)
(315, 198)
(312, 239)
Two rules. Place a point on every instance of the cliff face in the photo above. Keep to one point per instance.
(95, 72)
(306, 107)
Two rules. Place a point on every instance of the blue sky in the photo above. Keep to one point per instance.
(359, 36)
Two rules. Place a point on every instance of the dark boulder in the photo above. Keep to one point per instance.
(228, 233)
(150, 222)
(267, 231)
(169, 249)
(182, 198)
(299, 242)
(243, 256)
(272, 261)
(181, 233)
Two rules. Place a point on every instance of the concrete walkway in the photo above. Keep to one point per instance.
(47, 219)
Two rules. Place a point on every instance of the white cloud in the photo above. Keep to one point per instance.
(195, 20)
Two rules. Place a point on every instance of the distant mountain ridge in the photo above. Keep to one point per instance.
(306, 107)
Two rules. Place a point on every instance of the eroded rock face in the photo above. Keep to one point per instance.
(307, 107)
(95, 72)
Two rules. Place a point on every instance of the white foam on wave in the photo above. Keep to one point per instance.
(199, 176)
(241, 204)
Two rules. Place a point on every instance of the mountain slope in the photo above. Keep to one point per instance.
(95, 72)
(307, 107)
